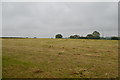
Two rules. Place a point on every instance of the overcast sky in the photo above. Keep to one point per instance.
(46, 19)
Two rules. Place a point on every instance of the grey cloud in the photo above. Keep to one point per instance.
(45, 19)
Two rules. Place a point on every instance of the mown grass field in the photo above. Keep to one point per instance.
(59, 58)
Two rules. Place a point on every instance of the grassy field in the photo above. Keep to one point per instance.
(59, 58)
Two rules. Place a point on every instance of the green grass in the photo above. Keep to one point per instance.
(59, 58)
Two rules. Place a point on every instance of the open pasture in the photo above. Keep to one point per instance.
(59, 58)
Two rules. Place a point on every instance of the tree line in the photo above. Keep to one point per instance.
(94, 35)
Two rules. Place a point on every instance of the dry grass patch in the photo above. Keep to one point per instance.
(59, 58)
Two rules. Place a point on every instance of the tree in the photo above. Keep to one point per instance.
(96, 34)
(89, 36)
(76, 36)
(58, 36)
(72, 37)
(114, 38)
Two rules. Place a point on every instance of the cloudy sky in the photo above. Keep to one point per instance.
(46, 19)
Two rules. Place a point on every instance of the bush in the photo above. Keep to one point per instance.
(60, 53)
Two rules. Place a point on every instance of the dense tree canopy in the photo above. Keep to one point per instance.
(74, 36)
(58, 36)
(115, 38)
(94, 35)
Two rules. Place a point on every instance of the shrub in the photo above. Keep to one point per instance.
(60, 53)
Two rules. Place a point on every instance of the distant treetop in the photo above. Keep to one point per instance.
(94, 35)
(58, 36)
